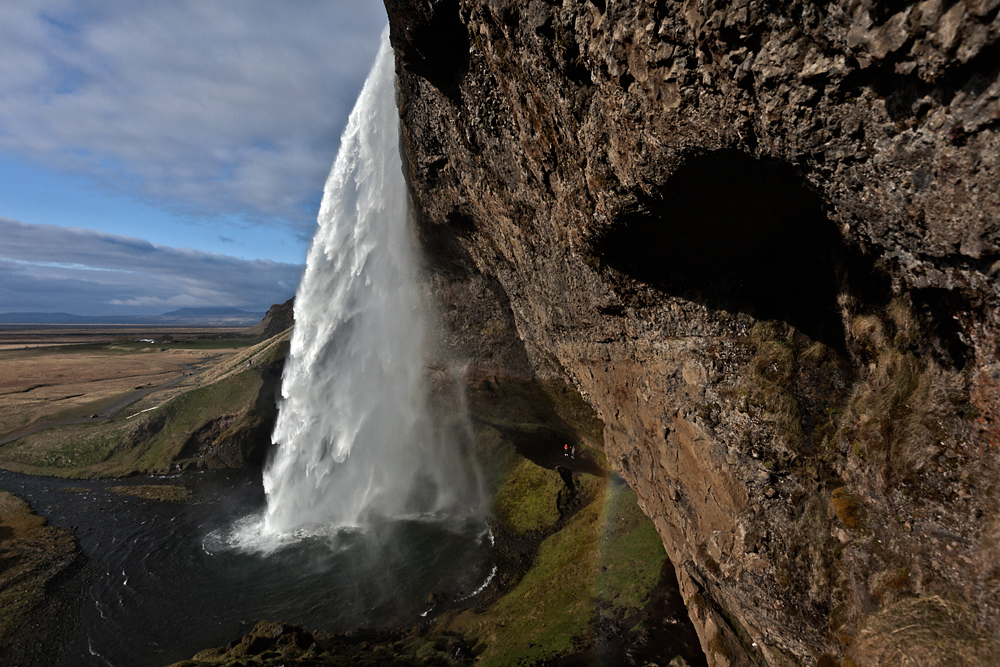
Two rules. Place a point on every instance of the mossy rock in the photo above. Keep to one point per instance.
(164, 493)
(927, 631)
(33, 557)
(528, 499)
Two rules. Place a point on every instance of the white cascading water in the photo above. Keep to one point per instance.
(354, 436)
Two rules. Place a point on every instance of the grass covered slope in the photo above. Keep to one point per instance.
(149, 443)
(600, 568)
(528, 500)
(219, 418)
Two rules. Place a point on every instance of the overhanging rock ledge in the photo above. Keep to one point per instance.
(762, 241)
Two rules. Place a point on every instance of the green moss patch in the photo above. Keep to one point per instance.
(528, 499)
(167, 493)
(607, 557)
(631, 552)
(548, 611)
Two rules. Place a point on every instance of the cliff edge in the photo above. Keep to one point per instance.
(761, 240)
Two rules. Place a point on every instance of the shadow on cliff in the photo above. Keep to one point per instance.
(432, 41)
(739, 234)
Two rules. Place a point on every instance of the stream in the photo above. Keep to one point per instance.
(168, 580)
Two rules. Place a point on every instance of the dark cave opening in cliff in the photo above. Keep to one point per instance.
(739, 234)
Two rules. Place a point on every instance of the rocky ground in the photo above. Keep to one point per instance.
(41, 585)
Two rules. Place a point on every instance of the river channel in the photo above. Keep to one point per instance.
(168, 580)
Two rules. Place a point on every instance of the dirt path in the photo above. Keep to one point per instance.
(548, 447)
(107, 413)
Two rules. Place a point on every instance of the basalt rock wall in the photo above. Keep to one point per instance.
(761, 239)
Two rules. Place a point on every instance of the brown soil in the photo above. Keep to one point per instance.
(40, 584)
(56, 377)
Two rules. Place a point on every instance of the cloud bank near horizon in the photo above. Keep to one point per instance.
(208, 108)
(45, 268)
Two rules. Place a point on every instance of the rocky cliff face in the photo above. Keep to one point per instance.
(278, 318)
(761, 239)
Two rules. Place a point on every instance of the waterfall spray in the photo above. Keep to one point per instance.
(354, 435)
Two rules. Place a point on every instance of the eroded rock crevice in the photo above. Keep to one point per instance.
(740, 234)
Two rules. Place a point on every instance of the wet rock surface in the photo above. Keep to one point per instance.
(761, 240)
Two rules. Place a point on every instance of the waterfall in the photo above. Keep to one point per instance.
(354, 436)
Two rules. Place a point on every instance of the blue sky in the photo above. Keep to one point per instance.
(156, 155)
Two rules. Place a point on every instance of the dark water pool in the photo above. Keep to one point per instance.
(167, 581)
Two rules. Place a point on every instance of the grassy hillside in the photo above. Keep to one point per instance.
(219, 418)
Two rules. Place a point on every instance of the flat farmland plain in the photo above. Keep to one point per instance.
(54, 375)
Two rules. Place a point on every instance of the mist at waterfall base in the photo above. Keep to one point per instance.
(359, 453)
(371, 506)
(361, 461)
(357, 443)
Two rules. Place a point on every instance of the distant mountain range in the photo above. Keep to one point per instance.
(233, 317)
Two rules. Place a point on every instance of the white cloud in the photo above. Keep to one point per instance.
(49, 268)
(231, 106)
